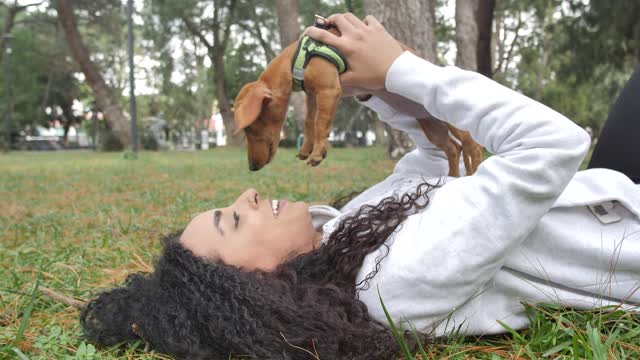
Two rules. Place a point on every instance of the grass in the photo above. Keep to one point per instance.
(79, 222)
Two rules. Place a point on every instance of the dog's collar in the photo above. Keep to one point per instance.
(308, 48)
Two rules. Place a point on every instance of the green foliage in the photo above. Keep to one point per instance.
(555, 332)
(573, 55)
(27, 311)
(556, 51)
(602, 32)
(397, 334)
(38, 70)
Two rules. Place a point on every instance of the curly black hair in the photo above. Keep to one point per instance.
(195, 308)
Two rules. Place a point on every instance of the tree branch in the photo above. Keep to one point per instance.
(230, 20)
(196, 32)
(257, 33)
(78, 304)
(514, 42)
(504, 60)
(24, 7)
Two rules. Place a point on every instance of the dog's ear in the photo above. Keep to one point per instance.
(252, 98)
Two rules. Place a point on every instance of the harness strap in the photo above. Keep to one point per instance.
(308, 48)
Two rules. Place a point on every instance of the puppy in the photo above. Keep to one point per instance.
(260, 110)
(261, 107)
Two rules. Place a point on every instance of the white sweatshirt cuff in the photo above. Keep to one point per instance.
(384, 110)
(402, 80)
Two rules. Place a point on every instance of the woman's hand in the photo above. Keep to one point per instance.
(368, 47)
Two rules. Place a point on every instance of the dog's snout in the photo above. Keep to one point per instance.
(254, 166)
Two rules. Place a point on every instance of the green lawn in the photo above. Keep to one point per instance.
(81, 221)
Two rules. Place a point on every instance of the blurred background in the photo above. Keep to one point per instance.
(65, 64)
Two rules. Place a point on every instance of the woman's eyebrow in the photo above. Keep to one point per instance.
(216, 221)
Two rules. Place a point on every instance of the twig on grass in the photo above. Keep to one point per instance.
(78, 304)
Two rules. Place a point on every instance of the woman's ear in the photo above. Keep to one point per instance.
(249, 104)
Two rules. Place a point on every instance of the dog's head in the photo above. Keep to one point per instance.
(261, 117)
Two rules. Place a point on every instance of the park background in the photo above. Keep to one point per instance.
(81, 216)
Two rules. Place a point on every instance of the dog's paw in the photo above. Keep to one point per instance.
(314, 162)
(305, 150)
(316, 158)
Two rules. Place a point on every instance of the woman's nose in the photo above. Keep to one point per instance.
(253, 198)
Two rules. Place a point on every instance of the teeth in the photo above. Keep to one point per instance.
(274, 207)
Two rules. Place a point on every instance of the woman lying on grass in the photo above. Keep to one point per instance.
(275, 279)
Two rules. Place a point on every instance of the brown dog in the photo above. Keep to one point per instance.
(261, 106)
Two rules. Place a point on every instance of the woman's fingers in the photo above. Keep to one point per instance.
(369, 49)
(342, 23)
(370, 20)
(353, 20)
(322, 35)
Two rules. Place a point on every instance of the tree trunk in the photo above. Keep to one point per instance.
(484, 54)
(379, 129)
(466, 34)
(223, 100)
(6, 29)
(288, 24)
(69, 119)
(289, 29)
(499, 44)
(411, 22)
(221, 31)
(105, 98)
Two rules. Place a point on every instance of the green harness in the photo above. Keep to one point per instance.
(308, 48)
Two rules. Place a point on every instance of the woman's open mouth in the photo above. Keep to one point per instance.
(277, 206)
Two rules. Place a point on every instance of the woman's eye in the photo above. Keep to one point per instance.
(256, 198)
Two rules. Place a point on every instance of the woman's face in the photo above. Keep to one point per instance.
(249, 234)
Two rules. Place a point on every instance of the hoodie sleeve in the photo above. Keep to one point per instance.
(448, 253)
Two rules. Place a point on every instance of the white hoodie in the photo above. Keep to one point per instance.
(506, 234)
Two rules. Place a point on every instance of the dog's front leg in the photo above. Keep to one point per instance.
(307, 144)
(326, 104)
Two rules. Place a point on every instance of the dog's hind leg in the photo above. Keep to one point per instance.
(307, 144)
(472, 152)
(326, 104)
(437, 132)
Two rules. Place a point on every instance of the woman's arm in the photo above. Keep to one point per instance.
(447, 254)
(451, 251)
